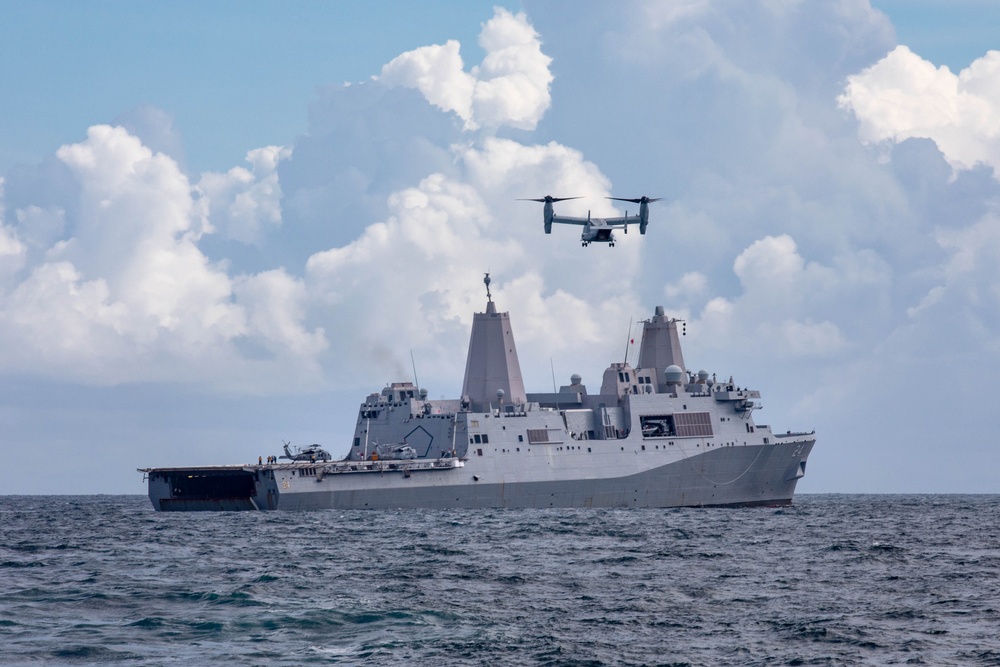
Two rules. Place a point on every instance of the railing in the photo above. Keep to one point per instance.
(391, 465)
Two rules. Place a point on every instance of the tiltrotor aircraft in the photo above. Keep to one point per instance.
(597, 230)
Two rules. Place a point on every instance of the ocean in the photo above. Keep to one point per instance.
(832, 580)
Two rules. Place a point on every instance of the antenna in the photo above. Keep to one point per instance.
(628, 339)
(487, 281)
(415, 380)
(631, 338)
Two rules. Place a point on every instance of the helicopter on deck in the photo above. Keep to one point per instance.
(311, 453)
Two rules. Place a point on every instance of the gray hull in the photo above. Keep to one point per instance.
(724, 477)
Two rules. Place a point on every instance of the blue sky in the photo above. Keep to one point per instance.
(210, 243)
(232, 74)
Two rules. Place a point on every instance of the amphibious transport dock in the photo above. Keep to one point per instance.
(655, 435)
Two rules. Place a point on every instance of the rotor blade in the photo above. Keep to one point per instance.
(639, 200)
(550, 199)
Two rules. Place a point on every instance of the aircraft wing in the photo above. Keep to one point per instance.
(569, 220)
(622, 222)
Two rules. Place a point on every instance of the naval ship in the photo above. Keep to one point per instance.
(655, 435)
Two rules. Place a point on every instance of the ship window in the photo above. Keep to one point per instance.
(644, 448)
(479, 452)
(520, 438)
(486, 439)
(478, 438)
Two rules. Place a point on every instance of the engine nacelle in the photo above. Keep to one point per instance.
(548, 217)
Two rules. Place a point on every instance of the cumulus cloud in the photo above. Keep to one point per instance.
(121, 292)
(437, 72)
(510, 87)
(155, 128)
(775, 311)
(691, 284)
(244, 204)
(12, 251)
(904, 96)
(970, 289)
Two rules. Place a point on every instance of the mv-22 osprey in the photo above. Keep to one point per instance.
(598, 230)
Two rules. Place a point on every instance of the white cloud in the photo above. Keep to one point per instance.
(932, 297)
(12, 254)
(690, 285)
(510, 87)
(772, 315)
(904, 96)
(41, 227)
(243, 203)
(437, 72)
(137, 229)
(971, 277)
(128, 296)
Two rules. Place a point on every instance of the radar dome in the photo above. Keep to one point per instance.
(673, 374)
(575, 378)
(703, 375)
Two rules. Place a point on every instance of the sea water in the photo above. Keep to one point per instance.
(832, 580)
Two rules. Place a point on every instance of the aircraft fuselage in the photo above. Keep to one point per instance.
(597, 233)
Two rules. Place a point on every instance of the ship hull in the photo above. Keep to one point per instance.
(763, 475)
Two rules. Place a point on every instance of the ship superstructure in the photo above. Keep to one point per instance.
(655, 435)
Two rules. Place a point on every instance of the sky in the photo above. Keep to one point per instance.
(223, 224)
